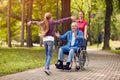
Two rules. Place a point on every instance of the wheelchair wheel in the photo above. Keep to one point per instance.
(81, 60)
(77, 68)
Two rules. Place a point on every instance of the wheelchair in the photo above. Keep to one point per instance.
(80, 59)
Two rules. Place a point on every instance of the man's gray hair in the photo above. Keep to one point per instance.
(74, 24)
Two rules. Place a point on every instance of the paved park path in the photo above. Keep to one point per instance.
(102, 66)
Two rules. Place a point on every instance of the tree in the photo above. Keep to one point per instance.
(119, 4)
(109, 9)
(65, 13)
(23, 20)
(28, 28)
(43, 6)
(8, 24)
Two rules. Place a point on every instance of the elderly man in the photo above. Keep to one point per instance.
(74, 38)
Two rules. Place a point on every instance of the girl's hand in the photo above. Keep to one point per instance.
(42, 34)
(73, 18)
(29, 23)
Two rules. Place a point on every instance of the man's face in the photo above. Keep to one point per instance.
(74, 28)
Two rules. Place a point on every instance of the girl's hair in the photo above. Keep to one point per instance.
(46, 24)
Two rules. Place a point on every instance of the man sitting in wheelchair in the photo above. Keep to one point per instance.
(74, 38)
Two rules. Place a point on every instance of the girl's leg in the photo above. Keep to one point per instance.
(46, 49)
(49, 53)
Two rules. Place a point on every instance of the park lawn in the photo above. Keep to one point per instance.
(14, 60)
(113, 45)
(115, 51)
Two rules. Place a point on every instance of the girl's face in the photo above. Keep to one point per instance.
(81, 15)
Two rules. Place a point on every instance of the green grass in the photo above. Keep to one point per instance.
(14, 60)
(115, 51)
(99, 47)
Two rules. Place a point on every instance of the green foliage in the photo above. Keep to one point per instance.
(35, 34)
(40, 7)
(97, 15)
(3, 28)
(114, 51)
(115, 30)
(96, 8)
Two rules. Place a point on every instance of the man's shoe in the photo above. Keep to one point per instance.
(67, 66)
(58, 66)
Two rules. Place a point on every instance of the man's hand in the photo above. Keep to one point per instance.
(57, 34)
(75, 34)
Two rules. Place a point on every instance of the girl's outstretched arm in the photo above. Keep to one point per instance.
(62, 20)
(35, 22)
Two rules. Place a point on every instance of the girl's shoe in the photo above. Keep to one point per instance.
(47, 71)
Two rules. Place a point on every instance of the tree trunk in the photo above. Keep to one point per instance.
(56, 40)
(65, 13)
(119, 4)
(23, 20)
(89, 29)
(28, 28)
(89, 21)
(8, 24)
(42, 15)
(109, 9)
